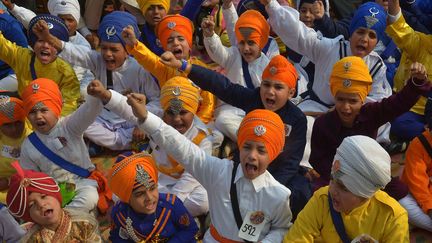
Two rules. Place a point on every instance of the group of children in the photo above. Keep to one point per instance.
(309, 129)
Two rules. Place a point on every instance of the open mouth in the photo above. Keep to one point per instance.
(361, 48)
(40, 124)
(178, 53)
(45, 54)
(150, 206)
(250, 168)
(48, 213)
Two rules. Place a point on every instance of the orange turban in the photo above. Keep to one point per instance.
(131, 171)
(145, 4)
(11, 109)
(176, 23)
(280, 69)
(256, 21)
(45, 91)
(263, 126)
(178, 93)
(351, 75)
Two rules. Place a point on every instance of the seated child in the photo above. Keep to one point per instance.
(180, 100)
(143, 214)
(35, 197)
(42, 62)
(353, 208)
(243, 63)
(350, 82)
(238, 194)
(117, 71)
(57, 146)
(276, 90)
(13, 131)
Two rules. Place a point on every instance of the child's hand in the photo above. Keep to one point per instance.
(137, 135)
(207, 26)
(96, 88)
(138, 104)
(8, 4)
(265, 2)
(418, 71)
(226, 4)
(318, 9)
(169, 59)
(128, 36)
(41, 30)
(93, 39)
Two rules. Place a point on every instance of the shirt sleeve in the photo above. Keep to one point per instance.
(280, 222)
(23, 15)
(10, 52)
(224, 56)
(79, 55)
(186, 227)
(70, 89)
(230, 18)
(84, 116)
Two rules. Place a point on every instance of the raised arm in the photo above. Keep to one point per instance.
(230, 17)
(23, 15)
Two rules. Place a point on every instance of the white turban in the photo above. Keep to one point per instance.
(56, 7)
(362, 165)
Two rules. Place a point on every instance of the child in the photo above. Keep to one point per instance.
(353, 207)
(13, 131)
(243, 63)
(35, 197)
(278, 86)
(263, 201)
(42, 62)
(175, 34)
(350, 83)
(117, 71)
(143, 214)
(57, 146)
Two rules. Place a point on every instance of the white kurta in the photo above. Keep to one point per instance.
(324, 52)
(263, 193)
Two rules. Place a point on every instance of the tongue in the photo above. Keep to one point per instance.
(48, 212)
(251, 168)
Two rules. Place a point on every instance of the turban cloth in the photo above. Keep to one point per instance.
(112, 25)
(45, 91)
(145, 4)
(263, 126)
(11, 109)
(280, 69)
(176, 23)
(362, 165)
(131, 171)
(56, 26)
(351, 75)
(22, 184)
(370, 15)
(245, 5)
(252, 19)
(72, 7)
(179, 92)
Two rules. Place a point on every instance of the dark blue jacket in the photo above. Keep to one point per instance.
(286, 166)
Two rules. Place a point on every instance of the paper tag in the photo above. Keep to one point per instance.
(253, 224)
(10, 152)
(57, 143)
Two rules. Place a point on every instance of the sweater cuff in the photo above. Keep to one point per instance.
(116, 98)
(151, 125)
(394, 18)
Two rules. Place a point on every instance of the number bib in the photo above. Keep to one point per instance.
(253, 224)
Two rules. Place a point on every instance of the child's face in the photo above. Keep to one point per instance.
(274, 94)
(178, 45)
(306, 15)
(181, 122)
(44, 210)
(44, 51)
(13, 129)
(42, 119)
(70, 22)
(363, 41)
(154, 15)
(114, 54)
(254, 159)
(343, 200)
(249, 50)
(347, 106)
(143, 200)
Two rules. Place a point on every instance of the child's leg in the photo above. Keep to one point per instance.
(416, 216)
(86, 197)
(228, 119)
(114, 139)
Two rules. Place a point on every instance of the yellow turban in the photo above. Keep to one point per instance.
(179, 93)
(351, 75)
(130, 172)
(145, 4)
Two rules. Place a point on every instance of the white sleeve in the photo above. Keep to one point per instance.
(76, 55)
(78, 121)
(280, 222)
(295, 34)
(224, 56)
(23, 15)
(273, 49)
(230, 17)
(25, 159)
(380, 86)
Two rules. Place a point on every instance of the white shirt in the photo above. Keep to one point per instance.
(263, 193)
(324, 52)
(71, 128)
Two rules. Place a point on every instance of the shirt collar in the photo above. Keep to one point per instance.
(258, 183)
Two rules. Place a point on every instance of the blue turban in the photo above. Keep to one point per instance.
(13, 31)
(244, 5)
(113, 24)
(425, 6)
(372, 16)
(56, 26)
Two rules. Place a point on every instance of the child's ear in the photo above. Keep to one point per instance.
(291, 92)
